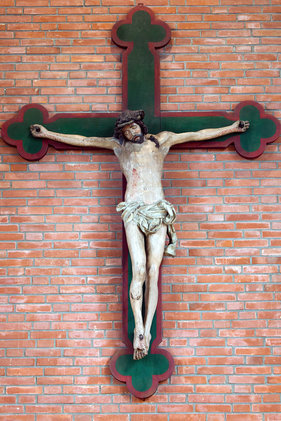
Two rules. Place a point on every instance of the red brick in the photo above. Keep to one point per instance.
(246, 417)
(188, 417)
(18, 417)
(57, 417)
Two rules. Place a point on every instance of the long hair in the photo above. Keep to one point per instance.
(118, 134)
(128, 117)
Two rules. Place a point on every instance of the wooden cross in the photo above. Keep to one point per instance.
(141, 36)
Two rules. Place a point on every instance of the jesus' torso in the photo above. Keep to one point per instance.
(142, 166)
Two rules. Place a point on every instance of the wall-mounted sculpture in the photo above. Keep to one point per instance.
(147, 216)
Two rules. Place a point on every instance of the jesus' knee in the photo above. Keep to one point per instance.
(139, 272)
(153, 274)
(136, 291)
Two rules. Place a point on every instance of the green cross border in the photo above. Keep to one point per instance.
(141, 36)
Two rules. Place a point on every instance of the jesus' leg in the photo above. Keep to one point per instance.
(136, 245)
(155, 244)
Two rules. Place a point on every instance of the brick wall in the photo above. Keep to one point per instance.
(60, 237)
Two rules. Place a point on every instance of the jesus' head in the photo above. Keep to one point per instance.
(129, 127)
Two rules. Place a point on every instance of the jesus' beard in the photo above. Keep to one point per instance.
(140, 139)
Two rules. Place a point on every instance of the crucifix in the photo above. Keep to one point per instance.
(147, 216)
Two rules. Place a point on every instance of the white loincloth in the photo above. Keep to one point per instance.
(149, 218)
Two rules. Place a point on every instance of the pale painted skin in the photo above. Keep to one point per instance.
(142, 165)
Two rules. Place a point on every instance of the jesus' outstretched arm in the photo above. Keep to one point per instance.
(75, 140)
(168, 139)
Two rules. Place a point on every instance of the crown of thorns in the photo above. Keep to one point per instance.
(128, 117)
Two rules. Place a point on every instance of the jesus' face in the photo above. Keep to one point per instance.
(133, 133)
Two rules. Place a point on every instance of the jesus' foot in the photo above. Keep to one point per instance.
(147, 339)
(139, 346)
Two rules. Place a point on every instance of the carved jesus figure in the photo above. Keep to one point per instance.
(147, 216)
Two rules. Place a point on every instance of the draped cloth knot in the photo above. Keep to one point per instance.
(150, 217)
